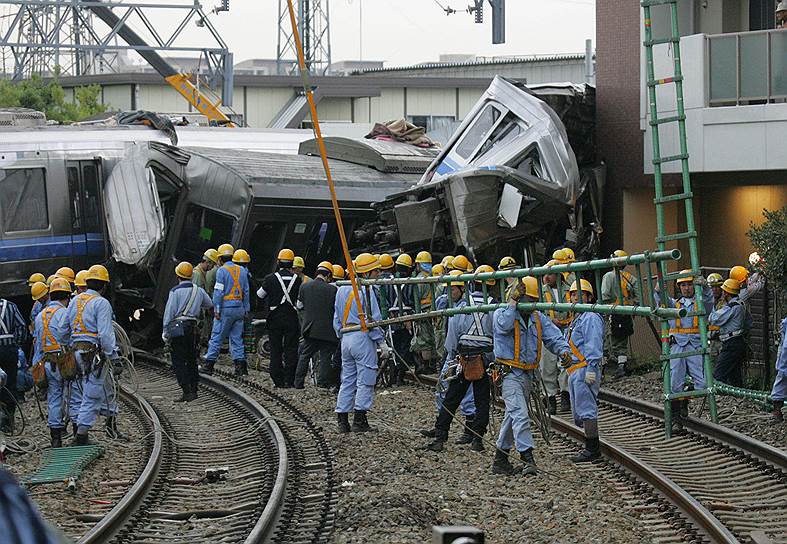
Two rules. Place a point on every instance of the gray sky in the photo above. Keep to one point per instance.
(409, 31)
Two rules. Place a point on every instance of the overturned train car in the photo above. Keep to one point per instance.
(519, 176)
(142, 206)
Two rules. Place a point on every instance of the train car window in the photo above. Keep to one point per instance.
(91, 207)
(203, 229)
(478, 131)
(264, 244)
(72, 173)
(23, 202)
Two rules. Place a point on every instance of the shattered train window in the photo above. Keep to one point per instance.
(505, 131)
(203, 229)
(23, 199)
(478, 132)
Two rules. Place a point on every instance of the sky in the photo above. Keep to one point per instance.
(402, 32)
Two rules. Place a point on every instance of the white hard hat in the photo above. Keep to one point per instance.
(781, 6)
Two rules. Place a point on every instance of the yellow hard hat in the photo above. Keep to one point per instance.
(687, 279)
(507, 263)
(287, 255)
(97, 272)
(404, 260)
(386, 261)
(184, 270)
(226, 250)
(715, 279)
(38, 290)
(337, 272)
(462, 263)
(325, 265)
(438, 270)
(241, 256)
(423, 257)
(586, 286)
(552, 262)
(457, 273)
(79, 279)
(365, 262)
(531, 286)
(560, 256)
(38, 276)
(484, 268)
(570, 257)
(731, 286)
(446, 262)
(61, 285)
(739, 273)
(212, 255)
(619, 253)
(50, 278)
(297, 262)
(66, 273)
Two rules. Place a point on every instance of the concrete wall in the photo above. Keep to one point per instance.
(160, 98)
(117, 97)
(263, 103)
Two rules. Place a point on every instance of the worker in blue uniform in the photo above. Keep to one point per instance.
(684, 335)
(468, 347)
(184, 307)
(52, 336)
(585, 337)
(230, 306)
(519, 337)
(359, 348)
(779, 391)
(734, 322)
(14, 333)
(94, 345)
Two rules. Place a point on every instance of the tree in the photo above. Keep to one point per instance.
(770, 240)
(49, 97)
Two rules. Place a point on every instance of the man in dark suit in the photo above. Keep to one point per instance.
(317, 298)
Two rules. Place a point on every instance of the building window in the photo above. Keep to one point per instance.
(431, 123)
(23, 199)
(203, 229)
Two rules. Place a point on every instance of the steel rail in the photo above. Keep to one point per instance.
(117, 517)
(702, 519)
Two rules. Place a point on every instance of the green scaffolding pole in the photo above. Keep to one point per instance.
(690, 235)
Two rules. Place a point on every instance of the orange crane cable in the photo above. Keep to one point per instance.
(324, 156)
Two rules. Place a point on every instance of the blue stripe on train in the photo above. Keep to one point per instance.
(47, 247)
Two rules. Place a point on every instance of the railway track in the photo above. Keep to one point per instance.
(710, 485)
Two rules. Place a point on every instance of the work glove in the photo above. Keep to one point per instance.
(385, 351)
(164, 337)
(590, 377)
(565, 359)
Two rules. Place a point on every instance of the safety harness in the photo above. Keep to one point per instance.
(236, 293)
(515, 363)
(285, 290)
(694, 329)
(549, 298)
(625, 282)
(5, 333)
(582, 362)
(475, 333)
(78, 326)
(49, 343)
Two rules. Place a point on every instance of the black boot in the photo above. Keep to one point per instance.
(501, 464)
(237, 368)
(74, 428)
(677, 417)
(81, 440)
(552, 406)
(565, 401)
(56, 437)
(184, 394)
(529, 461)
(112, 429)
(360, 423)
(245, 368)
(343, 419)
(684, 409)
(592, 449)
(438, 442)
(477, 444)
(428, 433)
(207, 368)
(467, 434)
(777, 410)
(190, 392)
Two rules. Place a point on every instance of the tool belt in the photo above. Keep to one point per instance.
(511, 363)
(67, 365)
(576, 366)
(472, 366)
(91, 356)
(38, 370)
(730, 335)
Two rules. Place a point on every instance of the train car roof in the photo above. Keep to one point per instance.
(302, 177)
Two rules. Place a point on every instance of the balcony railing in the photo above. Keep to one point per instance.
(747, 68)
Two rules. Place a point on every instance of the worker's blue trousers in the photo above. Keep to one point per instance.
(359, 373)
(515, 428)
(230, 325)
(691, 364)
(98, 392)
(584, 397)
(59, 394)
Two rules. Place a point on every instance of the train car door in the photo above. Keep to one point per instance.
(87, 233)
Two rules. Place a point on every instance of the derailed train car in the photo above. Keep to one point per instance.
(141, 205)
(519, 176)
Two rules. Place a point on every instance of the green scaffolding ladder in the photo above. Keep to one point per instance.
(685, 196)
